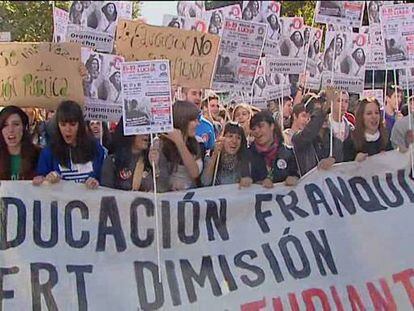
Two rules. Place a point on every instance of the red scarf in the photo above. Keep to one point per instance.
(269, 153)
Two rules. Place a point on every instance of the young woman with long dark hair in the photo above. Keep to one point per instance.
(180, 161)
(18, 154)
(233, 165)
(130, 166)
(73, 154)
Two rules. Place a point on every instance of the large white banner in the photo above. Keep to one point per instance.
(340, 240)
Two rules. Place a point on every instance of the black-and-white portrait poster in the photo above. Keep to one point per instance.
(252, 11)
(93, 23)
(344, 60)
(271, 16)
(215, 18)
(289, 55)
(373, 9)
(314, 58)
(186, 23)
(348, 13)
(268, 85)
(147, 104)
(192, 9)
(102, 86)
(376, 51)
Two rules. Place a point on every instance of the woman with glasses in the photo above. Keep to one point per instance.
(231, 154)
(130, 167)
(181, 161)
(370, 136)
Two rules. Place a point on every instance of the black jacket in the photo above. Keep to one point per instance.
(310, 147)
(283, 166)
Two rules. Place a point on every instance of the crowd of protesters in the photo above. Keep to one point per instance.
(211, 144)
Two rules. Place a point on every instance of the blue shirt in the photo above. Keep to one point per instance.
(78, 172)
(205, 130)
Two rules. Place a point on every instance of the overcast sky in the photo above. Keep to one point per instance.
(153, 11)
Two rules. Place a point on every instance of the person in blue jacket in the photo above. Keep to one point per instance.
(72, 154)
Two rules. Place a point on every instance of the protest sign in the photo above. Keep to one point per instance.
(373, 9)
(186, 23)
(102, 86)
(348, 13)
(271, 14)
(60, 24)
(192, 9)
(252, 11)
(376, 53)
(147, 106)
(213, 5)
(344, 61)
(5, 36)
(337, 240)
(240, 51)
(290, 50)
(397, 22)
(268, 85)
(215, 18)
(377, 93)
(314, 59)
(39, 74)
(191, 54)
(93, 23)
(403, 79)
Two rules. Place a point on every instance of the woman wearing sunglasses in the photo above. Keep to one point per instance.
(231, 154)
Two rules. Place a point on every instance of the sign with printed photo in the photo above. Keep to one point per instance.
(240, 51)
(344, 61)
(397, 23)
(147, 105)
(102, 86)
(186, 23)
(93, 23)
(347, 13)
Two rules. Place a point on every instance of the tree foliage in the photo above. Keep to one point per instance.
(303, 9)
(32, 21)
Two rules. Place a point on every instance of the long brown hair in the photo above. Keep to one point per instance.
(29, 153)
(183, 113)
(358, 135)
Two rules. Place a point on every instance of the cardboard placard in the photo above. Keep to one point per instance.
(39, 74)
(192, 54)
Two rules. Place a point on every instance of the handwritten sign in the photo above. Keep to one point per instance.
(192, 54)
(39, 74)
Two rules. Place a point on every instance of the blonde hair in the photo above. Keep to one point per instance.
(242, 106)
